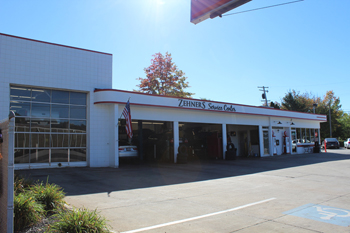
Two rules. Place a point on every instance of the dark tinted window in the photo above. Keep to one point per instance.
(22, 124)
(22, 140)
(61, 97)
(20, 93)
(40, 110)
(77, 140)
(77, 155)
(59, 125)
(41, 95)
(40, 125)
(78, 98)
(40, 156)
(40, 140)
(22, 156)
(78, 125)
(78, 112)
(59, 111)
(20, 108)
(59, 156)
(59, 140)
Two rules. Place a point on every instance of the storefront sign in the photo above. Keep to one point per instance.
(205, 105)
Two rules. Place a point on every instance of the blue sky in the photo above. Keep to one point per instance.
(303, 46)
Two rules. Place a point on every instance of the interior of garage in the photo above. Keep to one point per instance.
(152, 138)
(202, 141)
(245, 138)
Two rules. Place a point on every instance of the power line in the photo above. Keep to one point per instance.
(264, 7)
(318, 84)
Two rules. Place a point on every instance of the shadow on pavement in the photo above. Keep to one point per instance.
(79, 181)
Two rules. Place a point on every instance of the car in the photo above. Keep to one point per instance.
(127, 150)
(347, 143)
(331, 143)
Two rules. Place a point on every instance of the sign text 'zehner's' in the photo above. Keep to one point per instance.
(204, 105)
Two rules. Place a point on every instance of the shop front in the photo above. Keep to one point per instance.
(206, 128)
(67, 115)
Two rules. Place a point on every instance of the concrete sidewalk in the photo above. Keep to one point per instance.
(245, 195)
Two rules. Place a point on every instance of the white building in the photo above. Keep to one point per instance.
(67, 114)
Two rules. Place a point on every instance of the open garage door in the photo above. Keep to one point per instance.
(245, 138)
(204, 141)
(153, 139)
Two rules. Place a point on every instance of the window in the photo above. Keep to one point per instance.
(312, 136)
(307, 136)
(50, 125)
(299, 137)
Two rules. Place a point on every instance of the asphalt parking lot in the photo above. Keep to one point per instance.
(288, 193)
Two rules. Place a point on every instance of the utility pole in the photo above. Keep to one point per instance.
(264, 94)
(330, 120)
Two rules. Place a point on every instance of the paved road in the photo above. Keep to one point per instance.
(288, 193)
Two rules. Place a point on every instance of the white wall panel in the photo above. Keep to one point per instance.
(28, 62)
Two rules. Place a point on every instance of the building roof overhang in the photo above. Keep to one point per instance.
(114, 96)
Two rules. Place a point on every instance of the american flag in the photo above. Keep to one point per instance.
(127, 115)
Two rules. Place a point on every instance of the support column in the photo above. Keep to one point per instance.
(261, 141)
(289, 133)
(140, 136)
(176, 139)
(248, 143)
(224, 141)
(271, 138)
(114, 135)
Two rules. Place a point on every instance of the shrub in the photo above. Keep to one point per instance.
(27, 211)
(49, 195)
(79, 220)
(21, 184)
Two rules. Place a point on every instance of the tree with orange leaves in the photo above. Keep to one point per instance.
(164, 78)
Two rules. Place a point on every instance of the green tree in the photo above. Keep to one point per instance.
(295, 101)
(164, 78)
(345, 126)
(331, 103)
(275, 105)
